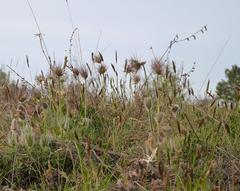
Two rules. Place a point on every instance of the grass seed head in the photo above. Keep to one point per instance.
(14, 126)
(148, 103)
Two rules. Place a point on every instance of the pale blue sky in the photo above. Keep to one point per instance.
(128, 26)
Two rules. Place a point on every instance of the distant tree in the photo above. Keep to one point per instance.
(229, 89)
(3, 77)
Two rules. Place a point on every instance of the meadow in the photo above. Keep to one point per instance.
(91, 127)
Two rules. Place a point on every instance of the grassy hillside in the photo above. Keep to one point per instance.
(91, 128)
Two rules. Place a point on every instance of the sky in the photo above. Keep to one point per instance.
(129, 27)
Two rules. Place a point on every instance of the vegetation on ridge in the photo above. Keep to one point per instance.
(80, 128)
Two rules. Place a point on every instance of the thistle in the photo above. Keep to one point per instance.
(58, 71)
(83, 72)
(136, 64)
(157, 67)
(75, 72)
(97, 58)
(102, 69)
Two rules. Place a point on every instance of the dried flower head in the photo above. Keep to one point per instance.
(83, 72)
(39, 79)
(58, 71)
(158, 66)
(97, 58)
(102, 69)
(75, 72)
(136, 64)
(128, 69)
(136, 79)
